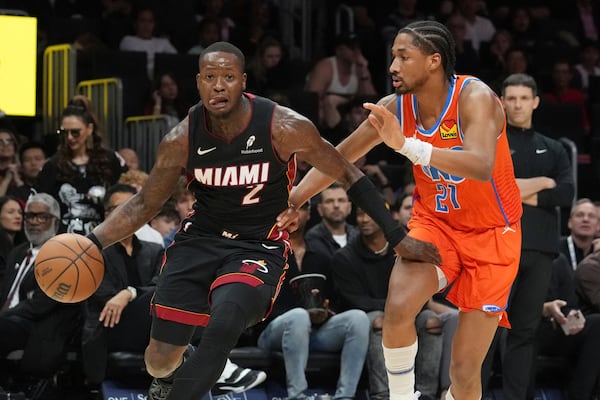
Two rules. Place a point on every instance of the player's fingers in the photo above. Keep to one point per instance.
(375, 122)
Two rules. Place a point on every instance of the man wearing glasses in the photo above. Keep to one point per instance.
(30, 320)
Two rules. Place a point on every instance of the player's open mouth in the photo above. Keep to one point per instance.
(218, 101)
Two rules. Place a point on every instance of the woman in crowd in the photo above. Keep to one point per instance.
(81, 170)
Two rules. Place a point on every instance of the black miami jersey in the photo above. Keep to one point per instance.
(242, 185)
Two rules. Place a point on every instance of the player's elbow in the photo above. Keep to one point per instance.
(484, 172)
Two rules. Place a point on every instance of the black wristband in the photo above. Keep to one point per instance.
(366, 196)
(94, 240)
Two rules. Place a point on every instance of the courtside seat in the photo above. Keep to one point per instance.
(251, 357)
(126, 364)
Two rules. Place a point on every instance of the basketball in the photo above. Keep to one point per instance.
(69, 268)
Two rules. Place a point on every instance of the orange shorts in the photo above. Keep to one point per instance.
(481, 264)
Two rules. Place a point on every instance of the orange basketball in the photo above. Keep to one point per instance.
(69, 268)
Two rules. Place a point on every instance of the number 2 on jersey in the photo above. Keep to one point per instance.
(446, 198)
(252, 196)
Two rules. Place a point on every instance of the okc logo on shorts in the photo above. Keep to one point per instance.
(251, 266)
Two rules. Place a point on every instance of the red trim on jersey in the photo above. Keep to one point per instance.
(181, 316)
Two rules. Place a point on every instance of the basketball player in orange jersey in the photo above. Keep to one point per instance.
(466, 202)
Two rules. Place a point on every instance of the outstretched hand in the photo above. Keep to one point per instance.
(417, 250)
(387, 125)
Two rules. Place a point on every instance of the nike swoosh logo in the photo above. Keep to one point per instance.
(269, 247)
(203, 152)
(540, 151)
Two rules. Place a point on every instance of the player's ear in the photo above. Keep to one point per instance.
(435, 61)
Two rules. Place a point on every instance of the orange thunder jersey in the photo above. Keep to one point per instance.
(462, 203)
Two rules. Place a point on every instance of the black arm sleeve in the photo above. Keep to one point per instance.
(365, 195)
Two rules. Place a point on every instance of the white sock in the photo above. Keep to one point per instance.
(449, 395)
(400, 366)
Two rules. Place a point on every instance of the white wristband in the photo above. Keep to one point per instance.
(417, 151)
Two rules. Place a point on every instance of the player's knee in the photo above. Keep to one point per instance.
(465, 373)
(162, 359)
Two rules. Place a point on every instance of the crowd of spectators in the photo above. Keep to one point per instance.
(555, 42)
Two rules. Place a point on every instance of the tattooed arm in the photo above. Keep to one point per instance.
(171, 161)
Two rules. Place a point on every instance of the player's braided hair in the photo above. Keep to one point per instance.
(432, 37)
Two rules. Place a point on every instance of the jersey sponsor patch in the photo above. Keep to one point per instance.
(448, 129)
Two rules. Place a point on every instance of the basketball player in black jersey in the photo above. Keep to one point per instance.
(224, 269)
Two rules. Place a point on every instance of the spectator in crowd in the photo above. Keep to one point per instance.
(217, 9)
(587, 20)
(183, 201)
(258, 22)
(380, 179)
(268, 70)
(576, 342)
(588, 65)
(81, 170)
(352, 115)
(167, 220)
(29, 319)
(10, 175)
(116, 21)
(587, 281)
(361, 271)
(563, 90)
(11, 227)
(166, 99)
(209, 32)
(467, 59)
(479, 28)
(145, 40)
(339, 78)
(296, 330)
(132, 161)
(493, 57)
(583, 224)
(333, 232)
(134, 177)
(544, 175)
(32, 157)
(116, 316)
(524, 32)
(517, 62)
(402, 209)
(404, 12)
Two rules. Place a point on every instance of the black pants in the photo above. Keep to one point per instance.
(517, 345)
(582, 352)
(14, 332)
(131, 334)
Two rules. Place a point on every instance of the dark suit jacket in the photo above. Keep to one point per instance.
(587, 283)
(53, 324)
